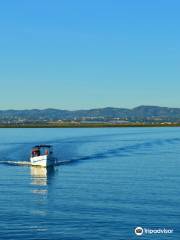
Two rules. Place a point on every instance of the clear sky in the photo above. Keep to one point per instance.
(73, 54)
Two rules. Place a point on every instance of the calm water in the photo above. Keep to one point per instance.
(110, 181)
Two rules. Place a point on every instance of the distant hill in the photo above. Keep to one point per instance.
(141, 113)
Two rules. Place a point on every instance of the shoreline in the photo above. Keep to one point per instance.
(89, 125)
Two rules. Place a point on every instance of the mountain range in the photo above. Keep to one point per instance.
(139, 113)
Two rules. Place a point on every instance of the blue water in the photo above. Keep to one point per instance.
(108, 182)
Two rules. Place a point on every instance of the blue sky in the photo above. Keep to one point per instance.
(74, 54)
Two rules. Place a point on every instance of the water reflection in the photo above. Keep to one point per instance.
(40, 178)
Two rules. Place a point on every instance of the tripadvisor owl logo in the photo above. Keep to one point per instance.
(138, 231)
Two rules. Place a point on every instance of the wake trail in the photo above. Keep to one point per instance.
(26, 163)
(16, 163)
(121, 151)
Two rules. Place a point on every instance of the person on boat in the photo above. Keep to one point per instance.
(46, 152)
(33, 153)
(36, 153)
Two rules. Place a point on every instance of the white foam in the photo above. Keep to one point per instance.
(16, 163)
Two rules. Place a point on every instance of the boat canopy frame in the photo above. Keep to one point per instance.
(43, 146)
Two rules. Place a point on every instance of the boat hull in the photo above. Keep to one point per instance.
(43, 161)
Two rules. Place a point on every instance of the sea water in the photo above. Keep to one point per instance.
(107, 182)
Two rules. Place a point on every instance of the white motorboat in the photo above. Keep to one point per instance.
(42, 155)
